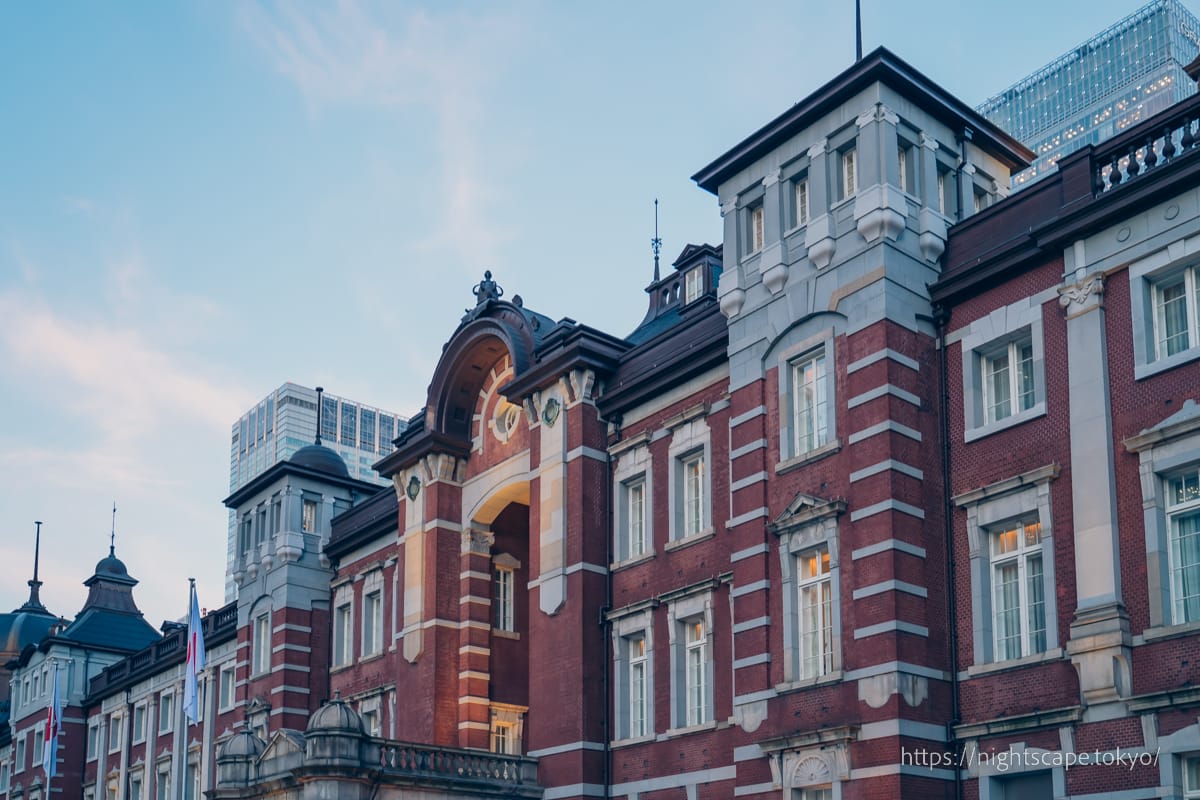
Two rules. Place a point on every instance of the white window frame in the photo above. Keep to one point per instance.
(1147, 276)
(19, 752)
(807, 438)
(93, 740)
(790, 358)
(632, 468)
(138, 722)
(372, 627)
(639, 679)
(693, 284)
(1177, 510)
(1165, 450)
(39, 743)
(815, 661)
(506, 729)
(691, 515)
(756, 218)
(504, 594)
(309, 515)
(343, 625)
(983, 339)
(1021, 498)
(260, 651)
(162, 783)
(166, 712)
(692, 680)
(227, 687)
(802, 200)
(115, 721)
(848, 171)
(136, 786)
(1018, 400)
(1024, 553)
(1190, 784)
(630, 625)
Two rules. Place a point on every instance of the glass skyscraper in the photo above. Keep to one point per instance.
(1124, 74)
(285, 421)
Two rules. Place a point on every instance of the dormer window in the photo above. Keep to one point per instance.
(693, 284)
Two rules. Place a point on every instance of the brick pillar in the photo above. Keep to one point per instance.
(474, 638)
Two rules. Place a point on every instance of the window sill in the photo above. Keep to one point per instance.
(711, 725)
(632, 562)
(1170, 631)
(792, 231)
(808, 683)
(1145, 370)
(372, 657)
(336, 668)
(617, 744)
(500, 633)
(687, 541)
(978, 432)
(976, 670)
(815, 454)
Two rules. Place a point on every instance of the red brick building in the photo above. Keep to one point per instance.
(892, 493)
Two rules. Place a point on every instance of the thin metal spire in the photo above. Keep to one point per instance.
(320, 389)
(858, 30)
(35, 585)
(656, 242)
(112, 536)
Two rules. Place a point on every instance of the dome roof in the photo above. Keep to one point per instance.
(111, 566)
(336, 716)
(20, 629)
(242, 744)
(320, 458)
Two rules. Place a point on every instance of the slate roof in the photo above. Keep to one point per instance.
(113, 630)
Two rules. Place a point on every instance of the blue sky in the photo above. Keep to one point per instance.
(200, 201)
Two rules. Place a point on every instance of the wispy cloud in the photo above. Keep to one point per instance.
(348, 54)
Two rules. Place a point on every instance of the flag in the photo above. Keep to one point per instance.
(53, 724)
(195, 661)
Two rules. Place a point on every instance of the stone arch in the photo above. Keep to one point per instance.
(466, 363)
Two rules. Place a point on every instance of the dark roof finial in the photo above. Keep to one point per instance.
(857, 30)
(656, 242)
(112, 536)
(320, 389)
(35, 601)
(487, 289)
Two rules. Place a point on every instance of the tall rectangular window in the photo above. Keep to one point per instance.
(166, 712)
(93, 741)
(228, 687)
(191, 787)
(135, 787)
(372, 634)
(114, 733)
(902, 160)
(1191, 777)
(693, 284)
(1008, 386)
(693, 494)
(343, 639)
(308, 516)
(1018, 594)
(1177, 313)
(1183, 521)
(849, 159)
(635, 508)
(757, 228)
(816, 614)
(39, 745)
(366, 431)
(386, 433)
(349, 424)
(810, 412)
(329, 418)
(504, 740)
(164, 785)
(139, 723)
(502, 603)
(696, 672)
(262, 644)
(638, 677)
(800, 197)
(20, 753)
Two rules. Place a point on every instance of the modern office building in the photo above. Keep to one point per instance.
(1119, 77)
(286, 420)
